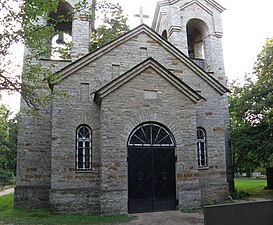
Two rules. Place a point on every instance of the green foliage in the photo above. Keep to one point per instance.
(113, 24)
(251, 115)
(262, 170)
(6, 178)
(239, 194)
(255, 187)
(6, 201)
(9, 215)
(20, 23)
(191, 210)
(8, 146)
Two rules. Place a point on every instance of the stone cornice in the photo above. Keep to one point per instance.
(174, 29)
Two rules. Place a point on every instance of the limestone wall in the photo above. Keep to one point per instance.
(33, 160)
(119, 116)
(76, 108)
(51, 140)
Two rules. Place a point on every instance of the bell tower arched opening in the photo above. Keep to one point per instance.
(196, 34)
(61, 39)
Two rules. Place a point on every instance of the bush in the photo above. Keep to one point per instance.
(239, 194)
(6, 178)
(262, 170)
(191, 209)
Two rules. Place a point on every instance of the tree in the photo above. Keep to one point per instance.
(19, 25)
(113, 24)
(8, 146)
(4, 135)
(251, 112)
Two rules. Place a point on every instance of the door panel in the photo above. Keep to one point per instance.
(164, 179)
(140, 179)
(151, 179)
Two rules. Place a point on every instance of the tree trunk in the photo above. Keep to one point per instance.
(269, 176)
(93, 13)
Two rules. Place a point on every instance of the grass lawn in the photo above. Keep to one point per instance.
(9, 215)
(255, 187)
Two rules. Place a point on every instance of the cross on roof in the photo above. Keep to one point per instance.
(141, 15)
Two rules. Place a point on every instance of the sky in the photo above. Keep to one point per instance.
(246, 23)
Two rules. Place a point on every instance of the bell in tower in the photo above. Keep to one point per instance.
(61, 21)
(70, 26)
(60, 39)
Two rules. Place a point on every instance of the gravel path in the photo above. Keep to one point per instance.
(6, 191)
(167, 218)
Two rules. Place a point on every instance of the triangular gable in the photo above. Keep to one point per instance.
(148, 63)
(80, 63)
(212, 3)
(199, 4)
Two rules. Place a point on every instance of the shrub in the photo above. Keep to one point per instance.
(239, 194)
(6, 178)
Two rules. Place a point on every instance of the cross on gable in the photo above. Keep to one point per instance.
(141, 15)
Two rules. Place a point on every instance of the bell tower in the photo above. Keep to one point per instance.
(71, 24)
(70, 31)
(195, 28)
(71, 27)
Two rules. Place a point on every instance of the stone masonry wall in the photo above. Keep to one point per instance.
(119, 116)
(213, 114)
(33, 160)
(210, 116)
(34, 140)
(46, 175)
(74, 110)
(81, 188)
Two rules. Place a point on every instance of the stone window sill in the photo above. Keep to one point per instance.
(203, 168)
(84, 171)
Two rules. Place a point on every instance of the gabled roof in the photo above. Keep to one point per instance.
(135, 71)
(80, 63)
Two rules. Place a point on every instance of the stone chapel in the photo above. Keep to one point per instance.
(144, 124)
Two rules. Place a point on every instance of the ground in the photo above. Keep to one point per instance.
(178, 218)
(158, 218)
(170, 218)
(6, 191)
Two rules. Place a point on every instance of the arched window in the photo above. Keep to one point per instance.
(202, 147)
(84, 148)
(150, 135)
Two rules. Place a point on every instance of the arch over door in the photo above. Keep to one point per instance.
(151, 169)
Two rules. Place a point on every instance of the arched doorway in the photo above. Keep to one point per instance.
(151, 169)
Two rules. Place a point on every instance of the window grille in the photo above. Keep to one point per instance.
(202, 147)
(84, 148)
(151, 134)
